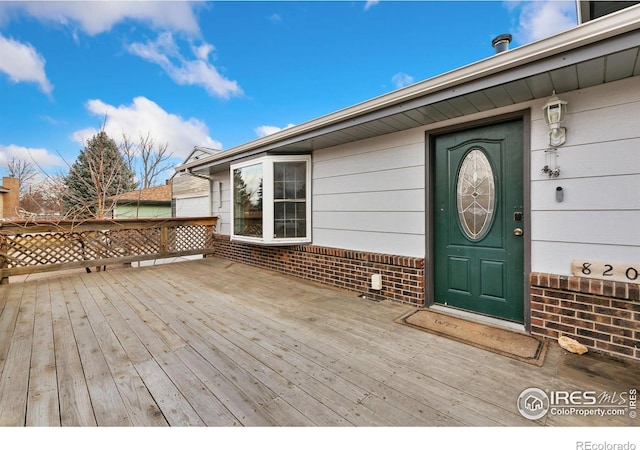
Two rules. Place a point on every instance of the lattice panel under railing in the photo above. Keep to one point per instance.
(41, 249)
(37, 249)
(135, 242)
(190, 237)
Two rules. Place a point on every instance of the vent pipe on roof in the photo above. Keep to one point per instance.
(501, 43)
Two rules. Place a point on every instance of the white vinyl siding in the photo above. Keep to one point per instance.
(188, 185)
(369, 195)
(191, 196)
(599, 218)
(221, 202)
(192, 206)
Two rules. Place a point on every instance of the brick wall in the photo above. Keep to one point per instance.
(402, 277)
(11, 199)
(603, 315)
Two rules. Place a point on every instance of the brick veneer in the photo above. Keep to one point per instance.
(603, 315)
(402, 277)
(11, 200)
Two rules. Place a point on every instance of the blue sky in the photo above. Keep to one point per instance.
(219, 74)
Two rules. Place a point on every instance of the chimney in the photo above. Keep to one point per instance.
(501, 43)
(11, 201)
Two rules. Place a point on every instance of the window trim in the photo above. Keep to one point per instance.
(268, 215)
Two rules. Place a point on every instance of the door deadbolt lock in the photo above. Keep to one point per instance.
(518, 232)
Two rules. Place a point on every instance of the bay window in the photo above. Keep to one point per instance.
(272, 200)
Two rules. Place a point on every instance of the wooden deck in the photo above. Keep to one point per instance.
(215, 343)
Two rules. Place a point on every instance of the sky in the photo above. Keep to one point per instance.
(220, 74)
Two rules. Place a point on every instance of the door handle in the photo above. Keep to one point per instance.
(518, 232)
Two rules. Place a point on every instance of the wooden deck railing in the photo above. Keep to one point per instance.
(29, 247)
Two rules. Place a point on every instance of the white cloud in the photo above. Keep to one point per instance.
(202, 51)
(275, 18)
(40, 157)
(165, 52)
(266, 130)
(96, 17)
(22, 63)
(144, 117)
(541, 19)
(370, 3)
(401, 80)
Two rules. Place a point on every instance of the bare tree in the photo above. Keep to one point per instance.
(23, 171)
(146, 158)
(44, 199)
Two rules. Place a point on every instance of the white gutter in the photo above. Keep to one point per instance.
(606, 27)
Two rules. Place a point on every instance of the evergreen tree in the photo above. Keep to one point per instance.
(98, 173)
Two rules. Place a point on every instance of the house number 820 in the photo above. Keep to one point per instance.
(606, 271)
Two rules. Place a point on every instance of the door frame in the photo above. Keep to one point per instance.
(430, 137)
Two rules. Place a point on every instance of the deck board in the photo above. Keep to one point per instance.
(137, 401)
(268, 367)
(354, 386)
(105, 399)
(8, 317)
(174, 406)
(257, 340)
(174, 319)
(13, 384)
(161, 344)
(42, 400)
(264, 367)
(73, 393)
(215, 343)
(382, 385)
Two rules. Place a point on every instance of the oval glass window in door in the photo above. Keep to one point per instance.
(475, 195)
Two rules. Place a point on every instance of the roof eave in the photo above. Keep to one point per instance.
(593, 31)
(143, 202)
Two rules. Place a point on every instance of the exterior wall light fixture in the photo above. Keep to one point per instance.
(554, 111)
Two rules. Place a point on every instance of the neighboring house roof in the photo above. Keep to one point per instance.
(201, 152)
(198, 153)
(4, 190)
(154, 195)
(597, 52)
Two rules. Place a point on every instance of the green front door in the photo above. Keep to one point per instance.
(478, 221)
